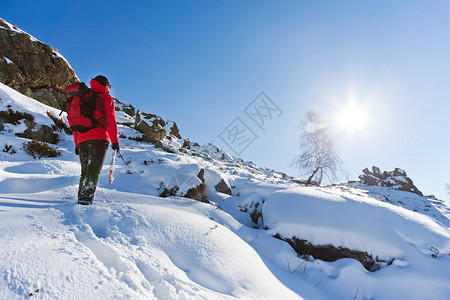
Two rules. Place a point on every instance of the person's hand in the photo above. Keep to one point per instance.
(77, 152)
(115, 146)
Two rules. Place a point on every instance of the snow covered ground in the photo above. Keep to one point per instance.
(132, 244)
(127, 246)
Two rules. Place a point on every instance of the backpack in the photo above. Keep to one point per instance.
(85, 110)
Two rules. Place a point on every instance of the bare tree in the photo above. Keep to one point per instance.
(317, 154)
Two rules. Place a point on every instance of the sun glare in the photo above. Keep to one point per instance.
(352, 118)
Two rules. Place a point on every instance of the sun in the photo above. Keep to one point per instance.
(352, 118)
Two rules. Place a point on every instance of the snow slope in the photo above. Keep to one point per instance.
(405, 239)
(128, 246)
(132, 244)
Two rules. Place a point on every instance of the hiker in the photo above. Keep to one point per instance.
(92, 145)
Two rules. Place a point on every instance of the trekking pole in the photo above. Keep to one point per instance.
(120, 155)
(112, 166)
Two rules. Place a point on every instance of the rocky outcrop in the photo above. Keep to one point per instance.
(32, 67)
(396, 179)
(184, 185)
(150, 125)
(127, 108)
(153, 127)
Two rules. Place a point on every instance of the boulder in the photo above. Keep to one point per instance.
(41, 133)
(32, 67)
(376, 172)
(366, 171)
(197, 193)
(185, 185)
(223, 187)
(172, 128)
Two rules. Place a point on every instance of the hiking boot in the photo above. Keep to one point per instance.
(81, 202)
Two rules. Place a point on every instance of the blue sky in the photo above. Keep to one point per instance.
(201, 63)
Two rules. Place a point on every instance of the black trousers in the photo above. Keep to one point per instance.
(92, 156)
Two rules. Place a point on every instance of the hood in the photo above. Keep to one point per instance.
(96, 86)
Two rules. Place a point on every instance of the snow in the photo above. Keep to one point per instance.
(168, 126)
(11, 99)
(123, 117)
(184, 182)
(17, 30)
(145, 116)
(323, 218)
(8, 61)
(427, 205)
(128, 246)
(132, 244)
(21, 127)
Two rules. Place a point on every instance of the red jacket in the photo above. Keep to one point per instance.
(110, 133)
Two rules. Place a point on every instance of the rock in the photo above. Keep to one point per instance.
(331, 253)
(396, 179)
(197, 193)
(185, 185)
(252, 204)
(154, 128)
(376, 172)
(201, 175)
(15, 117)
(127, 108)
(186, 144)
(49, 97)
(211, 178)
(369, 179)
(388, 182)
(150, 125)
(32, 67)
(172, 128)
(222, 187)
(399, 172)
(33, 131)
(41, 133)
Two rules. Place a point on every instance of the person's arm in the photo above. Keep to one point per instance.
(111, 120)
(75, 138)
